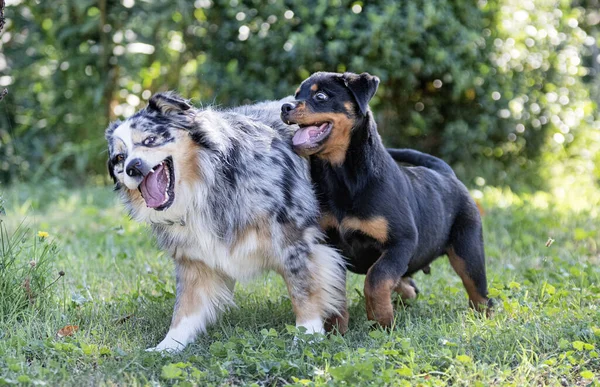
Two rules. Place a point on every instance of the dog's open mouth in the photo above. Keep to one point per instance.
(310, 136)
(157, 186)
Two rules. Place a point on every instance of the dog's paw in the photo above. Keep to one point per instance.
(168, 345)
(311, 332)
(312, 326)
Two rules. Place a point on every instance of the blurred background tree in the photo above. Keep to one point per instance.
(504, 90)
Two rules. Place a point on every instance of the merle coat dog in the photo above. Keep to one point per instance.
(226, 196)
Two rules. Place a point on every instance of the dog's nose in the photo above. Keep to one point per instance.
(134, 168)
(287, 107)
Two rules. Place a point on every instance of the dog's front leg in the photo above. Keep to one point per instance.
(383, 278)
(201, 294)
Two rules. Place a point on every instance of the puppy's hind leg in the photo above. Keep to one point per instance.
(467, 258)
(201, 294)
(315, 277)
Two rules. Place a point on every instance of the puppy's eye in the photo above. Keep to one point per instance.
(119, 158)
(320, 96)
(149, 141)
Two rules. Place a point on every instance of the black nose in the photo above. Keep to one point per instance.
(134, 168)
(287, 107)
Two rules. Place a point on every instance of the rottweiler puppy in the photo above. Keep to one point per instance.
(390, 221)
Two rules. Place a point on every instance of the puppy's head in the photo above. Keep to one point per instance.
(327, 108)
(153, 152)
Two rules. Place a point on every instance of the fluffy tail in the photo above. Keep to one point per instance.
(420, 159)
(329, 276)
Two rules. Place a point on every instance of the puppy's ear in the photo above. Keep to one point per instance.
(363, 87)
(167, 103)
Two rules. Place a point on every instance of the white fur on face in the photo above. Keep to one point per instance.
(150, 156)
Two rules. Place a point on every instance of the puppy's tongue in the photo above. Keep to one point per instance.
(154, 187)
(305, 136)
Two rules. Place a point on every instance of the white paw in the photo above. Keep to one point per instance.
(168, 345)
(314, 331)
(312, 326)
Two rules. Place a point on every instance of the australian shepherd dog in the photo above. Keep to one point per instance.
(226, 196)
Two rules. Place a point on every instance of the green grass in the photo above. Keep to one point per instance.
(119, 289)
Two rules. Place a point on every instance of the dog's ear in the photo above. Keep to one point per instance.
(108, 134)
(111, 169)
(363, 87)
(167, 103)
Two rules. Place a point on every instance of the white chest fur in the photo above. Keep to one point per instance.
(245, 258)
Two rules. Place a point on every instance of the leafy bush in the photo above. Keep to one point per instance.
(499, 88)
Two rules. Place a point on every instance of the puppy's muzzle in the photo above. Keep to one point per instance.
(287, 109)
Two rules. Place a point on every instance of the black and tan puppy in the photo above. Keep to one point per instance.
(389, 221)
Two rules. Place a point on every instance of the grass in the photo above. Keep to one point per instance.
(118, 288)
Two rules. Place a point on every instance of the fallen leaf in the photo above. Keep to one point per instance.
(67, 330)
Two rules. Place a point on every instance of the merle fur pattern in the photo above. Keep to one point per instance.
(243, 204)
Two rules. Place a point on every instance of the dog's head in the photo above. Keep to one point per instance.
(153, 152)
(327, 108)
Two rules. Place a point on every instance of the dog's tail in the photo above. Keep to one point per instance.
(420, 159)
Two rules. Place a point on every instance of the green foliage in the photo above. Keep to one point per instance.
(26, 264)
(499, 88)
(546, 329)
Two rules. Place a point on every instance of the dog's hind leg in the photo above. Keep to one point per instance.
(383, 278)
(201, 294)
(467, 258)
(338, 322)
(407, 288)
(314, 274)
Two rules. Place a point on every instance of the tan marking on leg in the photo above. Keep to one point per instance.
(405, 289)
(328, 221)
(476, 300)
(305, 308)
(201, 294)
(192, 280)
(378, 297)
(376, 227)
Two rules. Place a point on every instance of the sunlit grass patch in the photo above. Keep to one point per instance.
(119, 291)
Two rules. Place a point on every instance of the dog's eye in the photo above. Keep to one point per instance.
(119, 158)
(320, 96)
(149, 141)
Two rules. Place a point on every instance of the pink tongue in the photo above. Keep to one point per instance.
(301, 136)
(154, 187)
(304, 135)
